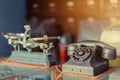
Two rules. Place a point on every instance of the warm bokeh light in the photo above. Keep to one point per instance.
(90, 2)
(113, 1)
(35, 5)
(90, 19)
(70, 13)
(114, 4)
(70, 3)
(70, 19)
(52, 4)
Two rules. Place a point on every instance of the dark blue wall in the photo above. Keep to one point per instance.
(12, 13)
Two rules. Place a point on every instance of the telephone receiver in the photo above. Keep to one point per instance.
(108, 52)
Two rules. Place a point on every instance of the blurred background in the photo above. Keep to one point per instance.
(74, 20)
(12, 16)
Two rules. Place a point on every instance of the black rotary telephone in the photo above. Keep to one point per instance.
(89, 55)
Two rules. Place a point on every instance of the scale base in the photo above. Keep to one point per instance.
(36, 58)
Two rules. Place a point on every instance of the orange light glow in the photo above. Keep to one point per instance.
(113, 1)
(70, 19)
(90, 2)
(52, 4)
(90, 19)
(70, 3)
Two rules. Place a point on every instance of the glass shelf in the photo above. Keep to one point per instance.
(11, 72)
(8, 72)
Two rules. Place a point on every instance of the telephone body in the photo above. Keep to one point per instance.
(89, 57)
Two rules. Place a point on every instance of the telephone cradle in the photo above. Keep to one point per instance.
(89, 57)
(35, 58)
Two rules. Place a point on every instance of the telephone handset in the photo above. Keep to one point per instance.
(83, 49)
(89, 55)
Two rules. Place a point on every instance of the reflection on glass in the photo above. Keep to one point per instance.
(115, 75)
(22, 73)
(81, 78)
